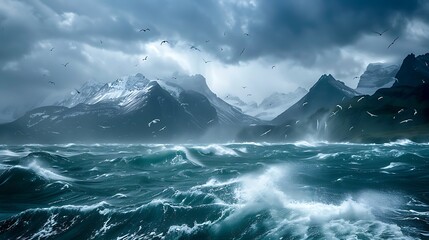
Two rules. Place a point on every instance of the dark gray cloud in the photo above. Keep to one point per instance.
(101, 40)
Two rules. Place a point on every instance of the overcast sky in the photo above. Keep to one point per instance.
(101, 41)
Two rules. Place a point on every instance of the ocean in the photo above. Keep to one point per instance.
(297, 190)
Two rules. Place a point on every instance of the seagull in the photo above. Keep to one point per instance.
(265, 133)
(333, 113)
(355, 77)
(381, 33)
(351, 128)
(156, 120)
(379, 98)
(195, 48)
(249, 95)
(370, 114)
(247, 34)
(339, 106)
(423, 81)
(144, 59)
(304, 104)
(343, 99)
(285, 136)
(184, 104)
(51, 82)
(52, 49)
(78, 92)
(400, 110)
(221, 49)
(244, 87)
(405, 121)
(350, 106)
(242, 51)
(162, 129)
(207, 41)
(101, 42)
(165, 41)
(210, 121)
(206, 61)
(65, 64)
(360, 99)
(415, 112)
(144, 30)
(273, 66)
(297, 121)
(393, 42)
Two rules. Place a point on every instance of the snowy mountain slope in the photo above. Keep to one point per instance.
(324, 94)
(376, 76)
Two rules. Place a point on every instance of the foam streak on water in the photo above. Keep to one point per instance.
(232, 191)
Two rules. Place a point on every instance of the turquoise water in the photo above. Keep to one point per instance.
(230, 191)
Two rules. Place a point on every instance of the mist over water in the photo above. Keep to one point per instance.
(220, 191)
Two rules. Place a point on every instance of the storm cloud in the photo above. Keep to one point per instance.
(101, 41)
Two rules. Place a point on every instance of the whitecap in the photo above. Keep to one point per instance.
(393, 165)
(47, 173)
(216, 149)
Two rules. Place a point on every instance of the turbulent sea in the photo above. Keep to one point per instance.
(226, 191)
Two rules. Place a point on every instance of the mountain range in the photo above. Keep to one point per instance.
(342, 114)
(184, 109)
(131, 109)
(270, 107)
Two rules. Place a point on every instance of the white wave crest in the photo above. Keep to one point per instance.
(216, 149)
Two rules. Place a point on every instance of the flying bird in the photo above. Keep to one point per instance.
(333, 113)
(379, 98)
(195, 48)
(51, 82)
(351, 128)
(221, 49)
(339, 106)
(246, 34)
(244, 87)
(272, 67)
(304, 104)
(144, 30)
(371, 114)
(65, 64)
(249, 95)
(265, 133)
(297, 121)
(52, 49)
(405, 121)
(156, 120)
(165, 41)
(360, 99)
(206, 61)
(355, 77)
(242, 51)
(393, 42)
(415, 112)
(400, 110)
(101, 42)
(381, 33)
(350, 106)
(144, 59)
(207, 41)
(210, 121)
(78, 92)
(162, 129)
